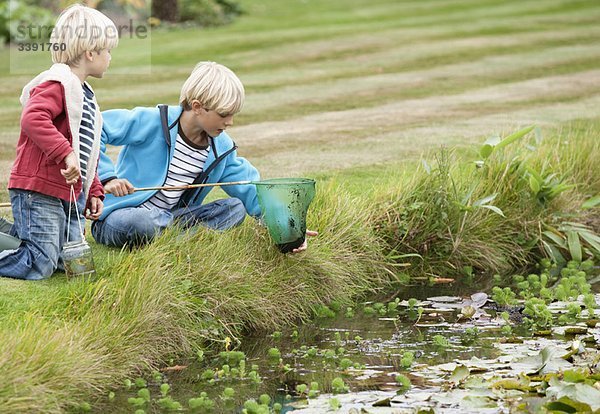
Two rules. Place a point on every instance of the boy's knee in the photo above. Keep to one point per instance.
(143, 228)
(128, 226)
(235, 210)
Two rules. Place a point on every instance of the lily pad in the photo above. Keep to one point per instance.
(569, 330)
(479, 299)
(579, 392)
(550, 359)
(445, 299)
(460, 373)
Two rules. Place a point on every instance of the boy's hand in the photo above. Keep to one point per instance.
(71, 173)
(304, 245)
(95, 209)
(118, 187)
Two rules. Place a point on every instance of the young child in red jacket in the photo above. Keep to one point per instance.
(59, 145)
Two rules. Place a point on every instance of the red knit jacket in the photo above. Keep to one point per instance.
(44, 143)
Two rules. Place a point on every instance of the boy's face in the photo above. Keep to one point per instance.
(99, 63)
(214, 123)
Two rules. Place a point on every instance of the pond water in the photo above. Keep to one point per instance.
(457, 352)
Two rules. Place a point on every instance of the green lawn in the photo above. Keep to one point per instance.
(352, 91)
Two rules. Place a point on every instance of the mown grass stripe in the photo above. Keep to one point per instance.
(366, 91)
(227, 43)
(361, 149)
(399, 114)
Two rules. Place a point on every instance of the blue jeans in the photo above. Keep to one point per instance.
(41, 224)
(139, 225)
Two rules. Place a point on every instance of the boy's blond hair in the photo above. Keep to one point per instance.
(215, 86)
(80, 29)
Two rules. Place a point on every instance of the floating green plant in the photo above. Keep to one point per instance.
(440, 341)
(369, 311)
(144, 393)
(345, 363)
(274, 353)
(301, 389)
(202, 403)
(338, 386)
(323, 311)
(504, 296)
(136, 402)
(169, 404)
(538, 313)
(232, 358)
(140, 383)
(228, 393)
(407, 359)
(403, 383)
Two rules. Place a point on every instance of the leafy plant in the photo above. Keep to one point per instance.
(495, 142)
(545, 186)
(570, 241)
(16, 14)
(209, 12)
(141, 383)
(593, 202)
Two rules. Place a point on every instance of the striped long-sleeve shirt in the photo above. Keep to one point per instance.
(187, 163)
(86, 130)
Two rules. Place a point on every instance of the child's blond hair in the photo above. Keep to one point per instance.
(215, 86)
(80, 29)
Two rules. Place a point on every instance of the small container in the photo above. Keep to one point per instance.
(77, 259)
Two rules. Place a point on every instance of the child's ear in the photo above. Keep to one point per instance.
(89, 55)
(197, 107)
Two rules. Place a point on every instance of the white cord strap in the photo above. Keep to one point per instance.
(72, 201)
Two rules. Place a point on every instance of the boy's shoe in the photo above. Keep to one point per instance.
(5, 225)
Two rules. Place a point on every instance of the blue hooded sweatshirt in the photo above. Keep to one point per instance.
(148, 137)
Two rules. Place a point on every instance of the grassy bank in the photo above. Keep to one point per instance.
(76, 339)
(67, 342)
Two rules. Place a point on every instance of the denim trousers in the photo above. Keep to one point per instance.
(41, 224)
(138, 225)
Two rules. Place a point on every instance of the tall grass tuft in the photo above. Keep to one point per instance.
(452, 215)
